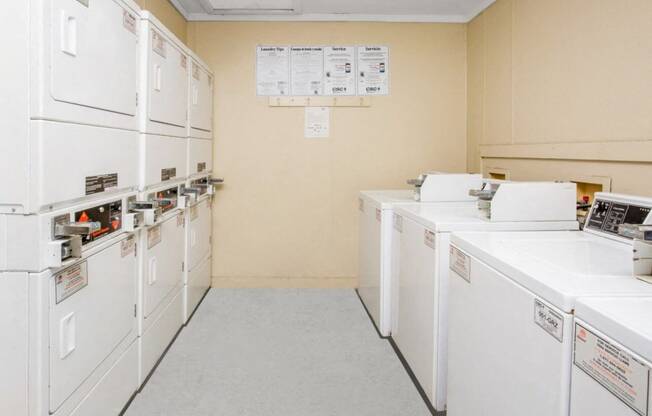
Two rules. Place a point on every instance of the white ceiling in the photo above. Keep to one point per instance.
(337, 10)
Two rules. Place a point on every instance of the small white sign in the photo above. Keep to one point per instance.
(307, 70)
(429, 238)
(273, 70)
(614, 368)
(70, 281)
(373, 70)
(317, 122)
(460, 263)
(159, 44)
(339, 70)
(154, 236)
(551, 321)
(194, 213)
(128, 246)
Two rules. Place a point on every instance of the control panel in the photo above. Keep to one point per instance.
(108, 217)
(608, 216)
(167, 199)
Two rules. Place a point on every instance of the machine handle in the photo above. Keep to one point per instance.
(67, 335)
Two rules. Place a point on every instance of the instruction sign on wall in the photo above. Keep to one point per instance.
(317, 122)
(322, 70)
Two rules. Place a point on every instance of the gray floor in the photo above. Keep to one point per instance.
(279, 352)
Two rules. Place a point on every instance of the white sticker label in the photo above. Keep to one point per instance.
(154, 236)
(158, 44)
(551, 321)
(429, 238)
(398, 223)
(379, 214)
(71, 281)
(180, 219)
(361, 204)
(460, 263)
(128, 246)
(614, 368)
(194, 213)
(129, 21)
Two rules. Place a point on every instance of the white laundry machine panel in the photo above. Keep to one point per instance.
(82, 323)
(200, 157)
(162, 274)
(200, 106)
(421, 328)
(162, 158)
(612, 357)
(199, 226)
(512, 297)
(198, 282)
(14, 346)
(57, 164)
(59, 238)
(164, 80)
(72, 61)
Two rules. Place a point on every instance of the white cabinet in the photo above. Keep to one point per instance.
(200, 100)
(164, 80)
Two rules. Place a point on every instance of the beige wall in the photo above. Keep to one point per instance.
(562, 89)
(168, 15)
(288, 213)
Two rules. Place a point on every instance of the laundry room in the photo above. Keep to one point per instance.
(317, 207)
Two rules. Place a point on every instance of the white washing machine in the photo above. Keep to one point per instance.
(61, 358)
(375, 236)
(161, 270)
(198, 245)
(200, 99)
(420, 330)
(164, 67)
(612, 357)
(511, 303)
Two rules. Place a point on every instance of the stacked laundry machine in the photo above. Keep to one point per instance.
(96, 156)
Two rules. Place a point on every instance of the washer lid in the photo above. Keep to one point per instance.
(387, 198)
(558, 266)
(628, 320)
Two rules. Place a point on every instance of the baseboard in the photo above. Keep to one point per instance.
(286, 282)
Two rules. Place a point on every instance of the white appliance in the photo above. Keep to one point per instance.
(200, 99)
(163, 159)
(161, 270)
(71, 347)
(200, 157)
(511, 303)
(612, 357)
(198, 244)
(420, 331)
(375, 238)
(164, 67)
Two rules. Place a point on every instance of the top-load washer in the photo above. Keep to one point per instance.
(511, 308)
(375, 234)
(612, 357)
(424, 232)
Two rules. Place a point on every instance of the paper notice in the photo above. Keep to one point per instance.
(339, 70)
(317, 122)
(373, 70)
(272, 70)
(307, 70)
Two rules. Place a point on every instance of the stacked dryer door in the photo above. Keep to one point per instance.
(69, 105)
(161, 268)
(200, 119)
(197, 278)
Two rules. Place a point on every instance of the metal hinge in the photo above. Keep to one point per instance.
(183, 266)
(135, 249)
(134, 310)
(136, 99)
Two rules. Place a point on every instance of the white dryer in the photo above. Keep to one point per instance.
(198, 244)
(200, 99)
(511, 304)
(161, 271)
(612, 357)
(421, 308)
(376, 246)
(72, 349)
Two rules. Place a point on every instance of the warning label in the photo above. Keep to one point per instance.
(154, 236)
(460, 263)
(71, 281)
(100, 183)
(614, 368)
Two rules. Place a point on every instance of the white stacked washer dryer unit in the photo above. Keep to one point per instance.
(511, 308)
(70, 160)
(164, 79)
(424, 233)
(612, 357)
(199, 187)
(376, 247)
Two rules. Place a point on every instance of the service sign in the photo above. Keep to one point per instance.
(551, 321)
(614, 368)
(460, 263)
(70, 281)
(154, 236)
